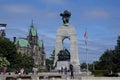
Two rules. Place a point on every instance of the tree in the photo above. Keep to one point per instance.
(116, 61)
(96, 65)
(106, 61)
(83, 66)
(8, 50)
(3, 62)
(110, 59)
(52, 56)
(24, 61)
(50, 60)
(28, 62)
(116, 58)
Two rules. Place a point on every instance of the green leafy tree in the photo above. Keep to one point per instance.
(83, 65)
(27, 62)
(9, 51)
(117, 56)
(50, 60)
(91, 66)
(110, 59)
(96, 65)
(106, 61)
(116, 62)
(52, 56)
(24, 61)
(3, 62)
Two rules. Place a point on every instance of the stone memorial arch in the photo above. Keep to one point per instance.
(67, 31)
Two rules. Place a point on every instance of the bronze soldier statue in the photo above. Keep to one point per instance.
(65, 16)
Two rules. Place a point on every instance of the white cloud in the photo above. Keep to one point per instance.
(15, 32)
(57, 2)
(97, 14)
(18, 8)
(48, 14)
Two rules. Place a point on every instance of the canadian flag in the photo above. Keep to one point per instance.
(85, 36)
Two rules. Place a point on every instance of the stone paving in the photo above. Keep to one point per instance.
(55, 76)
(45, 76)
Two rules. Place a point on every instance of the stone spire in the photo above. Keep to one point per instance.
(32, 37)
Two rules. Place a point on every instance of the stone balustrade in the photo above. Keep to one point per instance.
(53, 76)
(100, 78)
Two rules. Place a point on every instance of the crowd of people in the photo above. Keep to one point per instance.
(63, 70)
(20, 71)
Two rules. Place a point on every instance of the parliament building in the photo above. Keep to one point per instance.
(31, 45)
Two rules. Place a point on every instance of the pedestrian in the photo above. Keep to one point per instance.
(71, 71)
(33, 70)
(4, 72)
(26, 71)
(48, 67)
(65, 70)
(61, 69)
(22, 71)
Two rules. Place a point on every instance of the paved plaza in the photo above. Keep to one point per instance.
(42, 76)
(54, 76)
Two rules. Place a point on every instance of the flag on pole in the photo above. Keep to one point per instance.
(85, 36)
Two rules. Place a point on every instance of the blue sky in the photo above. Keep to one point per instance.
(101, 18)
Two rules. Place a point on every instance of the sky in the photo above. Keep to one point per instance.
(101, 19)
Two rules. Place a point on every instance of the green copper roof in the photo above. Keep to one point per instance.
(40, 43)
(23, 43)
(33, 31)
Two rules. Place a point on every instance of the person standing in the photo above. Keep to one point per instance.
(65, 70)
(22, 71)
(48, 68)
(33, 70)
(61, 69)
(4, 72)
(71, 71)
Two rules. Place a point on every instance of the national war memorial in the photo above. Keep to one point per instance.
(66, 31)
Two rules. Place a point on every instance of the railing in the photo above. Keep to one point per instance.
(31, 76)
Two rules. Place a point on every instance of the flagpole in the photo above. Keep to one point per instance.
(86, 44)
(87, 56)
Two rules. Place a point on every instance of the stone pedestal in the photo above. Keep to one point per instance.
(62, 64)
(19, 79)
(35, 77)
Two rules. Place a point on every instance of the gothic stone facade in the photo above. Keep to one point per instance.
(32, 46)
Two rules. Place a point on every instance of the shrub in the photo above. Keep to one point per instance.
(111, 75)
(100, 72)
(43, 69)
